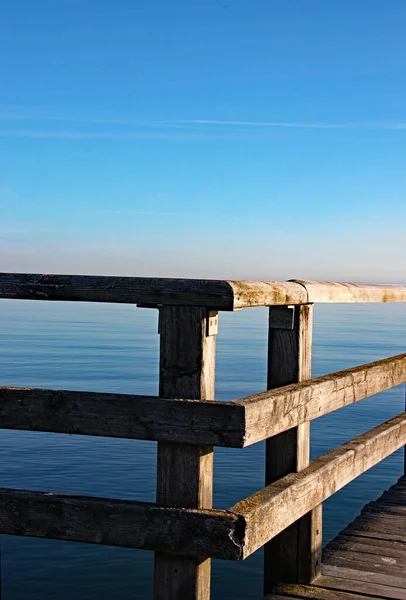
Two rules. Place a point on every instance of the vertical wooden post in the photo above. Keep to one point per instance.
(185, 472)
(294, 556)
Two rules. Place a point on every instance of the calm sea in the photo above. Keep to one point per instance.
(115, 348)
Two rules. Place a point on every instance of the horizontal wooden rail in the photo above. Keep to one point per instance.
(274, 411)
(269, 511)
(325, 291)
(208, 293)
(216, 294)
(232, 424)
(123, 416)
(186, 531)
(230, 534)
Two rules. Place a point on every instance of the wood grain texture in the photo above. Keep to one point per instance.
(123, 416)
(271, 412)
(207, 293)
(277, 506)
(371, 589)
(185, 472)
(378, 547)
(127, 290)
(295, 554)
(324, 291)
(313, 591)
(361, 574)
(120, 523)
(360, 560)
(359, 567)
(267, 293)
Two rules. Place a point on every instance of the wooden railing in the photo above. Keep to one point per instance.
(182, 528)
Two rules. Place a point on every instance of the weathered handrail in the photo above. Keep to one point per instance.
(207, 293)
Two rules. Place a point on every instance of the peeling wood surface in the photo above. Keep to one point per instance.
(271, 412)
(123, 416)
(277, 506)
(356, 567)
(120, 523)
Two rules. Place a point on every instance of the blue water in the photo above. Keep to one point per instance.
(115, 348)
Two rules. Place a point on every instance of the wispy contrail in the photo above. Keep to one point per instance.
(19, 115)
(261, 124)
(293, 124)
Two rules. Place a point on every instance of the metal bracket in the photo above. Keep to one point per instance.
(212, 323)
(282, 317)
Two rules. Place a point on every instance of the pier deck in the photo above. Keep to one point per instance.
(367, 560)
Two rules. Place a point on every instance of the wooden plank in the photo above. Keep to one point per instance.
(381, 507)
(277, 506)
(123, 416)
(271, 412)
(394, 497)
(385, 528)
(120, 523)
(361, 560)
(375, 590)
(313, 591)
(185, 472)
(275, 597)
(207, 293)
(381, 548)
(323, 291)
(366, 576)
(295, 554)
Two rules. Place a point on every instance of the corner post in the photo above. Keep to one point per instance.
(185, 472)
(293, 556)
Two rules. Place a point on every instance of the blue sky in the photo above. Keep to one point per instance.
(232, 139)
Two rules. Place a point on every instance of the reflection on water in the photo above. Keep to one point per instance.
(115, 348)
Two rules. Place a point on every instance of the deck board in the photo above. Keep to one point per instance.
(367, 559)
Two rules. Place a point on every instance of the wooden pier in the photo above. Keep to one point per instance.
(367, 560)
(186, 421)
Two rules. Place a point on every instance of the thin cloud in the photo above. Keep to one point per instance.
(109, 135)
(297, 125)
(176, 215)
(166, 214)
(261, 124)
(21, 115)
